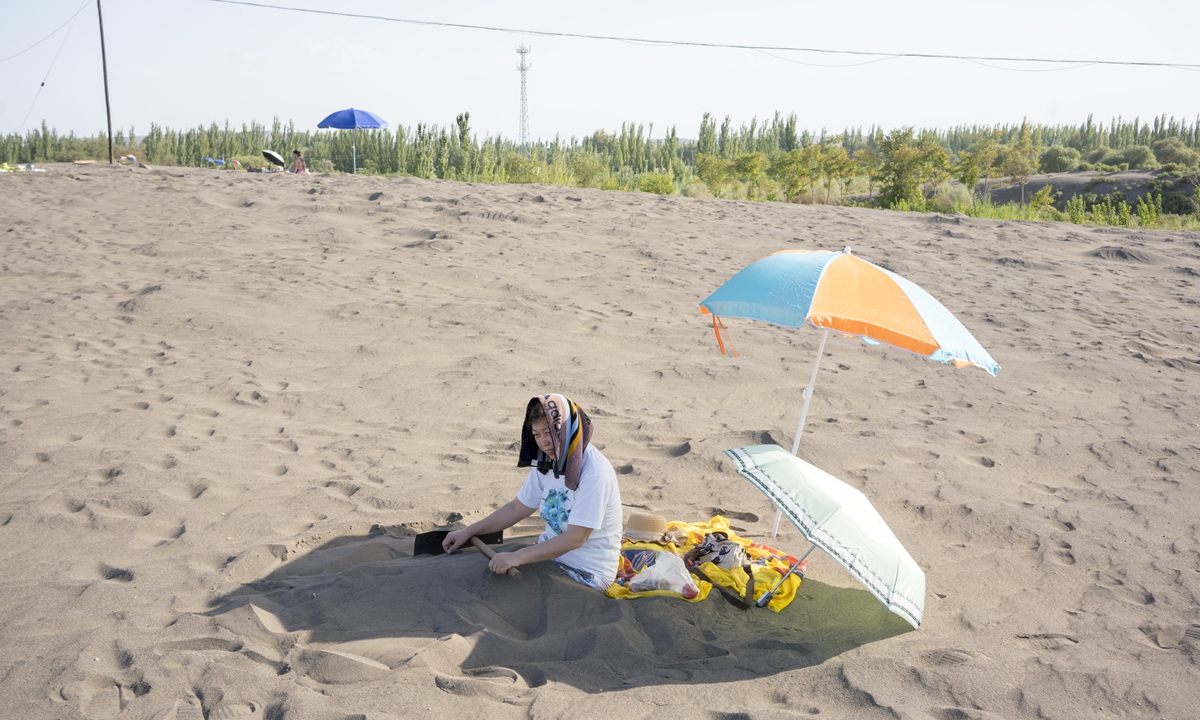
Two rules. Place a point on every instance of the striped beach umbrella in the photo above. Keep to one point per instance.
(839, 291)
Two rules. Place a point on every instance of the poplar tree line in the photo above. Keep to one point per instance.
(760, 160)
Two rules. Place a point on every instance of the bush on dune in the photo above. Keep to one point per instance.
(951, 197)
(1057, 159)
(1172, 150)
(657, 183)
(1137, 156)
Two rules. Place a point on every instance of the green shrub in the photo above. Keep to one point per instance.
(1044, 197)
(1106, 212)
(950, 197)
(1176, 203)
(1139, 156)
(695, 189)
(1149, 207)
(523, 170)
(1172, 150)
(1076, 209)
(903, 205)
(1059, 159)
(589, 169)
(1047, 213)
(1098, 154)
(657, 183)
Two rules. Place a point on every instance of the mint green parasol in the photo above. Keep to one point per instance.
(841, 521)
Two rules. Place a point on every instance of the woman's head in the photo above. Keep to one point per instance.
(540, 427)
(295, 153)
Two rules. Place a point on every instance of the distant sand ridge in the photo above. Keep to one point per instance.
(228, 401)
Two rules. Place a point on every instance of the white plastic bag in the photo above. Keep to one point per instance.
(667, 573)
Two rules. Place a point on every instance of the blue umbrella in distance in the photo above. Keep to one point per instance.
(353, 119)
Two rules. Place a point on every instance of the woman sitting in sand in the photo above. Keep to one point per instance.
(298, 165)
(574, 489)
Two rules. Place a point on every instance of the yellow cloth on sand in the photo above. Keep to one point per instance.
(768, 565)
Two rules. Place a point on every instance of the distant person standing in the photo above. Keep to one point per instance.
(298, 165)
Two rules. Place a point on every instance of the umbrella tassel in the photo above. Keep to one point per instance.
(718, 328)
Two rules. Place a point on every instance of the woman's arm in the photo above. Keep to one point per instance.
(574, 536)
(507, 515)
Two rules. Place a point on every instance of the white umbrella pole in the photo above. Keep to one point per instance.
(354, 149)
(808, 391)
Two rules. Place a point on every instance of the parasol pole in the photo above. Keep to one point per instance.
(354, 148)
(808, 391)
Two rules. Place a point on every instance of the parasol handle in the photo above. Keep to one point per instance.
(766, 598)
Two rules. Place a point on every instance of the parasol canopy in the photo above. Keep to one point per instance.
(274, 158)
(352, 119)
(841, 292)
(839, 520)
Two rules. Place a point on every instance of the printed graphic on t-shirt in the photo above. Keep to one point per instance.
(554, 510)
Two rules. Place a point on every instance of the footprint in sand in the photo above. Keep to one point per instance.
(1169, 637)
(1131, 595)
(949, 657)
(336, 668)
(229, 711)
(676, 448)
(198, 645)
(99, 697)
(1047, 641)
(497, 686)
(735, 515)
(1059, 553)
(108, 572)
(185, 708)
(120, 509)
(978, 461)
(915, 455)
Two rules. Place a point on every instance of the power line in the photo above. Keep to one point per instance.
(52, 32)
(52, 62)
(729, 46)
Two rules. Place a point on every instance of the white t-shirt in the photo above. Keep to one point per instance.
(596, 505)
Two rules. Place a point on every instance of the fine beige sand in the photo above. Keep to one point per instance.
(228, 401)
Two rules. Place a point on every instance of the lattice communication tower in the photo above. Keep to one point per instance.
(523, 67)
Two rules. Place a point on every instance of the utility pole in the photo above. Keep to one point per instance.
(104, 65)
(523, 67)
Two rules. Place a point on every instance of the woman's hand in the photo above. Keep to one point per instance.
(456, 539)
(503, 562)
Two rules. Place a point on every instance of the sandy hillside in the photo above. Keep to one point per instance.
(228, 400)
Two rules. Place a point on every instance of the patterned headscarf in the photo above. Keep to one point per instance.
(570, 430)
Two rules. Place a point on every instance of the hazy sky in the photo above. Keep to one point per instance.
(190, 62)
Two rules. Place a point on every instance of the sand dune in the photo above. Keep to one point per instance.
(228, 401)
